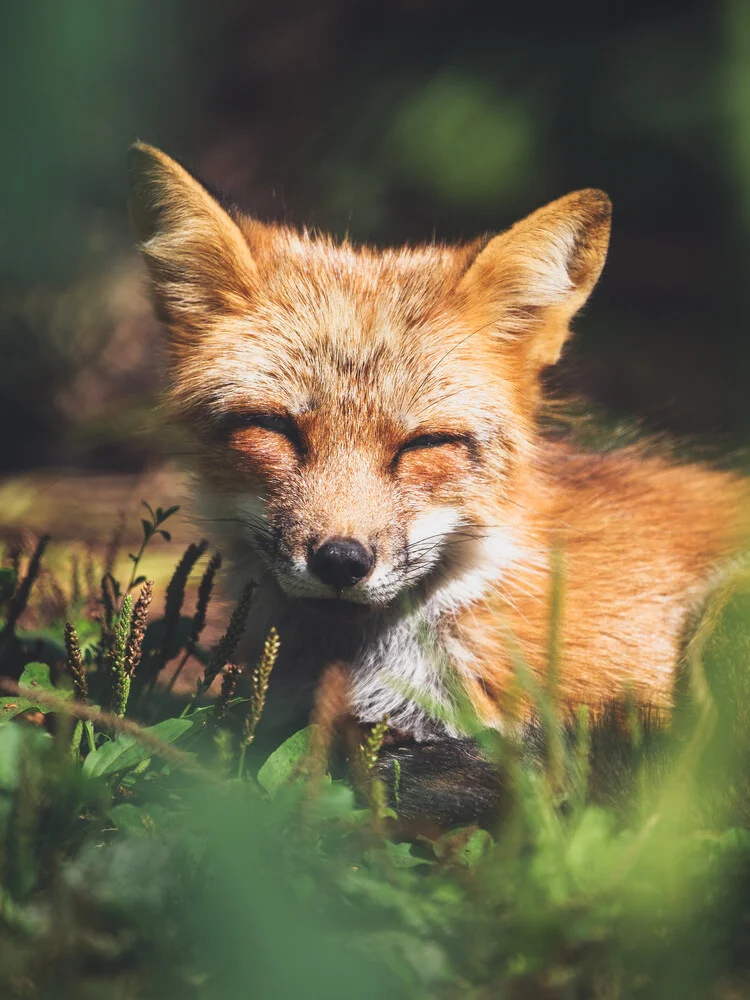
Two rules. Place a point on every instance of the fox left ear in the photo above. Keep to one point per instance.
(199, 260)
(534, 277)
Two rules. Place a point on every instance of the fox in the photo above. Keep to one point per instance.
(368, 447)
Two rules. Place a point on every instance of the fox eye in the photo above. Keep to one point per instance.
(437, 440)
(273, 422)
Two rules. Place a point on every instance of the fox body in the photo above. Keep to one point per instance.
(367, 450)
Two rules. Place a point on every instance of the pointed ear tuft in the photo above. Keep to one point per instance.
(534, 277)
(147, 200)
(198, 259)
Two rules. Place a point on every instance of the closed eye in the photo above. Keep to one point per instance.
(275, 423)
(438, 440)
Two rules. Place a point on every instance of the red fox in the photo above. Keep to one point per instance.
(367, 449)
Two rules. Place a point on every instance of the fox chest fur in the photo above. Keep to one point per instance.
(367, 450)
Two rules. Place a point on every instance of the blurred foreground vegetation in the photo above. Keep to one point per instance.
(144, 849)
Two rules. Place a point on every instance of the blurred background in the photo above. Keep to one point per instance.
(393, 120)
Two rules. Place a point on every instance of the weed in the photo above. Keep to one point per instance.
(145, 852)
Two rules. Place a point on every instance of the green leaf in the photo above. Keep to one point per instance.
(334, 801)
(125, 752)
(205, 712)
(17, 744)
(127, 817)
(283, 762)
(140, 820)
(164, 534)
(463, 846)
(130, 819)
(475, 848)
(11, 707)
(37, 677)
(11, 743)
(400, 855)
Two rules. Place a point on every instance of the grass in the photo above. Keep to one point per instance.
(146, 852)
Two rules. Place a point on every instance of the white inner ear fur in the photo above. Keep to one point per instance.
(545, 267)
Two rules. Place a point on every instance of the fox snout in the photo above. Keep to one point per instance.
(341, 562)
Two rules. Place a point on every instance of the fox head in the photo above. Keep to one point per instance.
(362, 418)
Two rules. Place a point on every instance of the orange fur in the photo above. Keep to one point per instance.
(640, 539)
(337, 391)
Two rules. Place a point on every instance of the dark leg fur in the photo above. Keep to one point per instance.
(446, 783)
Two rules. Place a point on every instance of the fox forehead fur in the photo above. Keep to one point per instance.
(390, 399)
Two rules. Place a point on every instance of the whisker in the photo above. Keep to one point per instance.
(460, 391)
(447, 354)
(551, 517)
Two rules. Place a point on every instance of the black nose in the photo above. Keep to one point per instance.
(341, 562)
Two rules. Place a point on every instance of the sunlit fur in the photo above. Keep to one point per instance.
(361, 353)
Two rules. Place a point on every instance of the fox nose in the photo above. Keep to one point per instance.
(341, 562)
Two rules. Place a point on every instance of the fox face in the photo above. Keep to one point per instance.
(351, 438)
(362, 419)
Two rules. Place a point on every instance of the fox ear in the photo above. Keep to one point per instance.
(198, 259)
(534, 277)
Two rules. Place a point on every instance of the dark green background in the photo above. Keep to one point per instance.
(392, 120)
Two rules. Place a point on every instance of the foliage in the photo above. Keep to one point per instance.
(144, 858)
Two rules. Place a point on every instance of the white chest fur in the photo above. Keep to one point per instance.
(402, 672)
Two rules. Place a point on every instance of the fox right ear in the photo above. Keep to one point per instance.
(199, 262)
(534, 277)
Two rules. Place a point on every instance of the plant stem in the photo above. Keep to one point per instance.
(136, 563)
(189, 706)
(178, 671)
